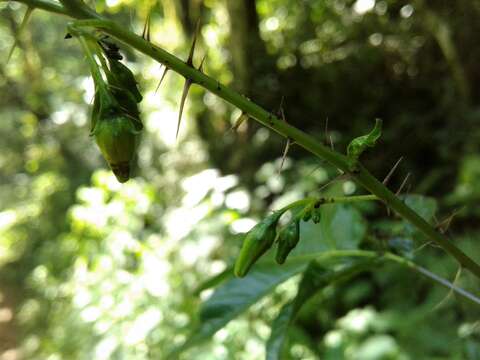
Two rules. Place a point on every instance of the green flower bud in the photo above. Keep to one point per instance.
(117, 139)
(287, 240)
(258, 240)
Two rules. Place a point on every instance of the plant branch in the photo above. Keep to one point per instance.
(329, 200)
(390, 257)
(361, 174)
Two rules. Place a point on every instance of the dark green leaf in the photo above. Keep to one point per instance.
(315, 278)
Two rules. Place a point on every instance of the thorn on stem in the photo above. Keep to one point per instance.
(192, 48)
(243, 116)
(186, 88)
(146, 27)
(200, 68)
(403, 184)
(390, 173)
(161, 79)
(287, 145)
(334, 180)
(331, 143)
(445, 223)
(284, 156)
(450, 293)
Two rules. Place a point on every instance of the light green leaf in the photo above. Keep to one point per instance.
(358, 145)
(237, 295)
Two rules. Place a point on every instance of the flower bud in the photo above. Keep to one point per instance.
(117, 139)
(258, 240)
(287, 240)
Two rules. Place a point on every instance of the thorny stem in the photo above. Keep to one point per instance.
(77, 9)
(328, 200)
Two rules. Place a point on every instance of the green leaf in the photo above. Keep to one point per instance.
(342, 227)
(358, 145)
(279, 332)
(237, 295)
(315, 278)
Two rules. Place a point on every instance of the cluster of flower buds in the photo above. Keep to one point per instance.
(263, 235)
(116, 123)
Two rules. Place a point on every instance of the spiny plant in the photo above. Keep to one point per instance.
(116, 127)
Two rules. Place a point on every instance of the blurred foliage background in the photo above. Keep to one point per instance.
(92, 269)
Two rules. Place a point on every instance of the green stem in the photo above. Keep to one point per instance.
(442, 281)
(392, 258)
(361, 175)
(329, 200)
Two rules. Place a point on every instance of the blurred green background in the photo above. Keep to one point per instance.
(93, 269)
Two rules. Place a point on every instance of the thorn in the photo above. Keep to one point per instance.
(334, 180)
(331, 143)
(390, 173)
(450, 293)
(403, 184)
(186, 87)
(243, 116)
(287, 145)
(285, 152)
(421, 247)
(445, 223)
(161, 79)
(328, 136)
(22, 26)
(280, 108)
(146, 27)
(192, 49)
(200, 68)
